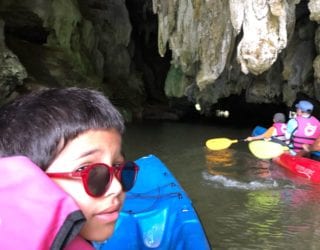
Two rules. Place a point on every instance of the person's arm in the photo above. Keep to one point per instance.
(265, 135)
(313, 147)
(316, 145)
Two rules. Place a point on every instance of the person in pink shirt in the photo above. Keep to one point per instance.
(63, 176)
(276, 132)
(304, 128)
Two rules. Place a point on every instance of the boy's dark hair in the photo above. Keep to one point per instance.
(35, 125)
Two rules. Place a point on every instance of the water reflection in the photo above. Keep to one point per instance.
(263, 214)
(263, 204)
(243, 202)
(225, 162)
(266, 205)
(261, 169)
(220, 162)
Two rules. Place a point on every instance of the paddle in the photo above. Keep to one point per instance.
(220, 143)
(266, 149)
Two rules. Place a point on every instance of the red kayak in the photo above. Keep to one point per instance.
(300, 166)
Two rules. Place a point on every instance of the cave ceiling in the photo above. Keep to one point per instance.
(142, 51)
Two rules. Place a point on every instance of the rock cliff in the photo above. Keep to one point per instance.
(140, 51)
(266, 49)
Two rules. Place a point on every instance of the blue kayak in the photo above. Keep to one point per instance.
(258, 130)
(157, 214)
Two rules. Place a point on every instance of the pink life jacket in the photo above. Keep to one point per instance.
(35, 213)
(280, 130)
(307, 132)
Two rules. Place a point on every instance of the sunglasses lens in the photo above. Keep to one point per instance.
(128, 175)
(98, 180)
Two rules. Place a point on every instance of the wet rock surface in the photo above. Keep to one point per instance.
(158, 59)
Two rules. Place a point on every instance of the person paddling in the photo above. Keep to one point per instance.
(302, 129)
(276, 132)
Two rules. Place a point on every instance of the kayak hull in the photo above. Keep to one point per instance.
(258, 130)
(300, 166)
(157, 214)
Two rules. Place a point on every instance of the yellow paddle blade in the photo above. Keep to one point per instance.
(219, 143)
(266, 149)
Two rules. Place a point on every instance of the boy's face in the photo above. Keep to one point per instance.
(94, 146)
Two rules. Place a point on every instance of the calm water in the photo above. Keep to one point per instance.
(243, 202)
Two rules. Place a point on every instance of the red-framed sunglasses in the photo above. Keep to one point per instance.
(97, 177)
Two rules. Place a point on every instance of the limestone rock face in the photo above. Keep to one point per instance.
(264, 34)
(197, 51)
(12, 72)
(314, 7)
(199, 34)
(265, 48)
(67, 43)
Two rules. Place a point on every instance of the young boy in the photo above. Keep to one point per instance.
(276, 132)
(63, 176)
